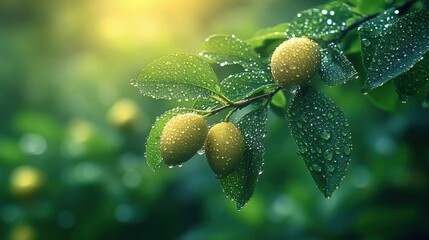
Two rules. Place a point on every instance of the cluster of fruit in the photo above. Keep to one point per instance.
(293, 63)
(186, 133)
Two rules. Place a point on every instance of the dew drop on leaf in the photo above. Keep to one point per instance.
(347, 150)
(331, 168)
(328, 155)
(325, 135)
(316, 167)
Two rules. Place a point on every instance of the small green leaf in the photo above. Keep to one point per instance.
(153, 147)
(323, 137)
(272, 33)
(228, 50)
(325, 22)
(181, 76)
(279, 99)
(413, 81)
(239, 86)
(403, 45)
(336, 69)
(371, 32)
(240, 185)
(278, 104)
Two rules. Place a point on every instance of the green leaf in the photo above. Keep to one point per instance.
(153, 147)
(371, 32)
(278, 104)
(279, 99)
(205, 104)
(403, 45)
(413, 81)
(261, 37)
(181, 76)
(323, 137)
(239, 86)
(325, 22)
(336, 69)
(371, 6)
(240, 184)
(228, 50)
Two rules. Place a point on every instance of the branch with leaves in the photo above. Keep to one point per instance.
(394, 45)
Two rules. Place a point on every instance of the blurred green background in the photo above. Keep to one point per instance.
(72, 134)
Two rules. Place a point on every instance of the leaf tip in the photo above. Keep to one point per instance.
(153, 167)
(327, 194)
(240, 206)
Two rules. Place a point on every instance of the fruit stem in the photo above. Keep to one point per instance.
(230, 114)
(359, 22)
(243, 103)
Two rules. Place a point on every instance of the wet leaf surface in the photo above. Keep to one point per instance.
(403, 45)
(240, 184)
(336, 69)
(323, 137)
(180, 76)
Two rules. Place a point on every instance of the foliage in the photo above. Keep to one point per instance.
(73, 131)
(393, 45)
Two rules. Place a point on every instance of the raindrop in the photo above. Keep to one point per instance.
(366, 42)
(201, 152)
(331, 168)
(316, 167)
(347, 150)
(325, 135)
(328, 155)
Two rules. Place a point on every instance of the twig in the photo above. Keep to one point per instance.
(245, 102)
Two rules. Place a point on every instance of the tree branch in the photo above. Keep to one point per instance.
(245, 102)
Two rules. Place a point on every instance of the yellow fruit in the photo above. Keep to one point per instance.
(295, 61)
(224, 148)
(182, 137)
(25, 180)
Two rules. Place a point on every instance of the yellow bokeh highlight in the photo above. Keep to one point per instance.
(25, 180)
(81, 130)
(23, 232)
(123, 113)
